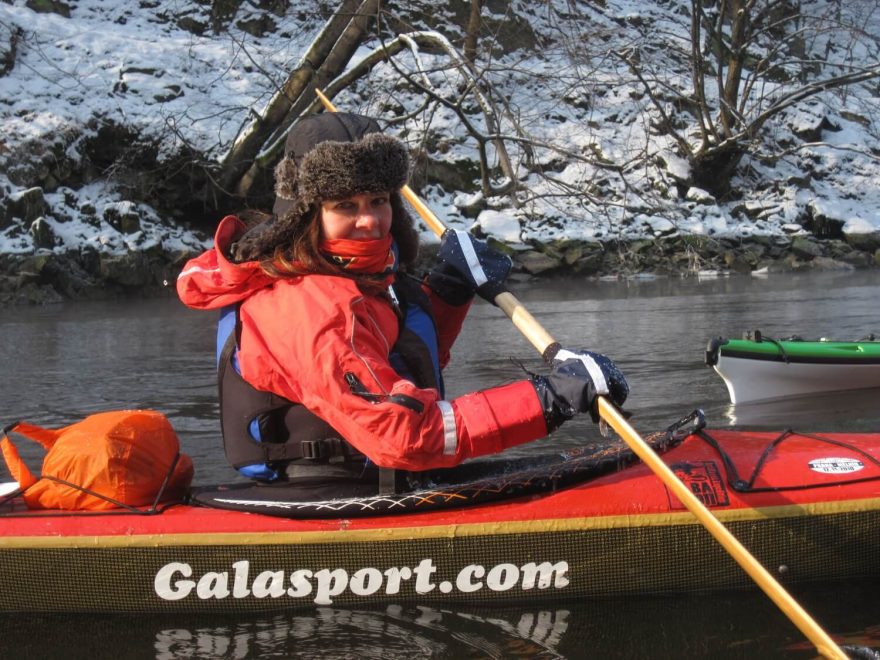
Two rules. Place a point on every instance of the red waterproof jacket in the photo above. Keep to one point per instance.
(301, 336)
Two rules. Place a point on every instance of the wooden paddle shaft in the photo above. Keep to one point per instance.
(547, 347)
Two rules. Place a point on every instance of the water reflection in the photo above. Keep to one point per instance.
(724, 626)
(855, 410)
(393, 632)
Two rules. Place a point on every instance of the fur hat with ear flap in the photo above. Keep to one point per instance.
(332, 156)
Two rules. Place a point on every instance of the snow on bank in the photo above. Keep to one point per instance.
(78, 220)
(131, 63)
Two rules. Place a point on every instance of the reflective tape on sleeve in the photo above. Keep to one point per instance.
(450, 432)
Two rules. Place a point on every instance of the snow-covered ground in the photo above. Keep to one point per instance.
(132, 64)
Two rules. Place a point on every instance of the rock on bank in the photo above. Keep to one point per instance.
(88, 274)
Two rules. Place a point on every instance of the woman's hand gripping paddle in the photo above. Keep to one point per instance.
(548, 347)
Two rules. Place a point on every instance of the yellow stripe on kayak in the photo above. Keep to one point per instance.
(438, 531)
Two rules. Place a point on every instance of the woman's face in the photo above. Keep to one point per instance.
(358, 218)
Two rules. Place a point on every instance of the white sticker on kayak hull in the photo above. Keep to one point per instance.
(836, 465)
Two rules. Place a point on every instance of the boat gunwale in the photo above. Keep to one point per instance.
(801, 359)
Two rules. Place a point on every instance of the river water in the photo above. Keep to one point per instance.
(63, 362)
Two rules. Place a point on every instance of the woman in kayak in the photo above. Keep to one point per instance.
(330, 351)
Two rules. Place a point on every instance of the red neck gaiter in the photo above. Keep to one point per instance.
(371, 257)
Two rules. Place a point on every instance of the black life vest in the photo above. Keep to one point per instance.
(264, 434)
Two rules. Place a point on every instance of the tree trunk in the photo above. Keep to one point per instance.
(251, 140)
(333, 64)
(713, 169)
(739, 36)
(472, 33)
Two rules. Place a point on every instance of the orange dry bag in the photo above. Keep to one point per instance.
(110, 459)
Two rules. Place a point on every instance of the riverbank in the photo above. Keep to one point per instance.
(117, 158)
(51, 277)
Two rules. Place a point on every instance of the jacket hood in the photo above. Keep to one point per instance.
(212, 281)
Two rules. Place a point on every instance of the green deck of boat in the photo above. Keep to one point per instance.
(821, 350)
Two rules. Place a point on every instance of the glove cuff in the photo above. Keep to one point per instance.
(449, 289)
(556, 409)
(490, 290)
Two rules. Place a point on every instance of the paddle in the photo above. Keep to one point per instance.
(548, 347)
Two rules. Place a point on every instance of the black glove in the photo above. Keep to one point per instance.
(574, 384)
(466, 266)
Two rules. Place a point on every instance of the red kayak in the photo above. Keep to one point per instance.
(806, 505)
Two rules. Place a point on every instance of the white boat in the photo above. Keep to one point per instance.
(762, 369)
